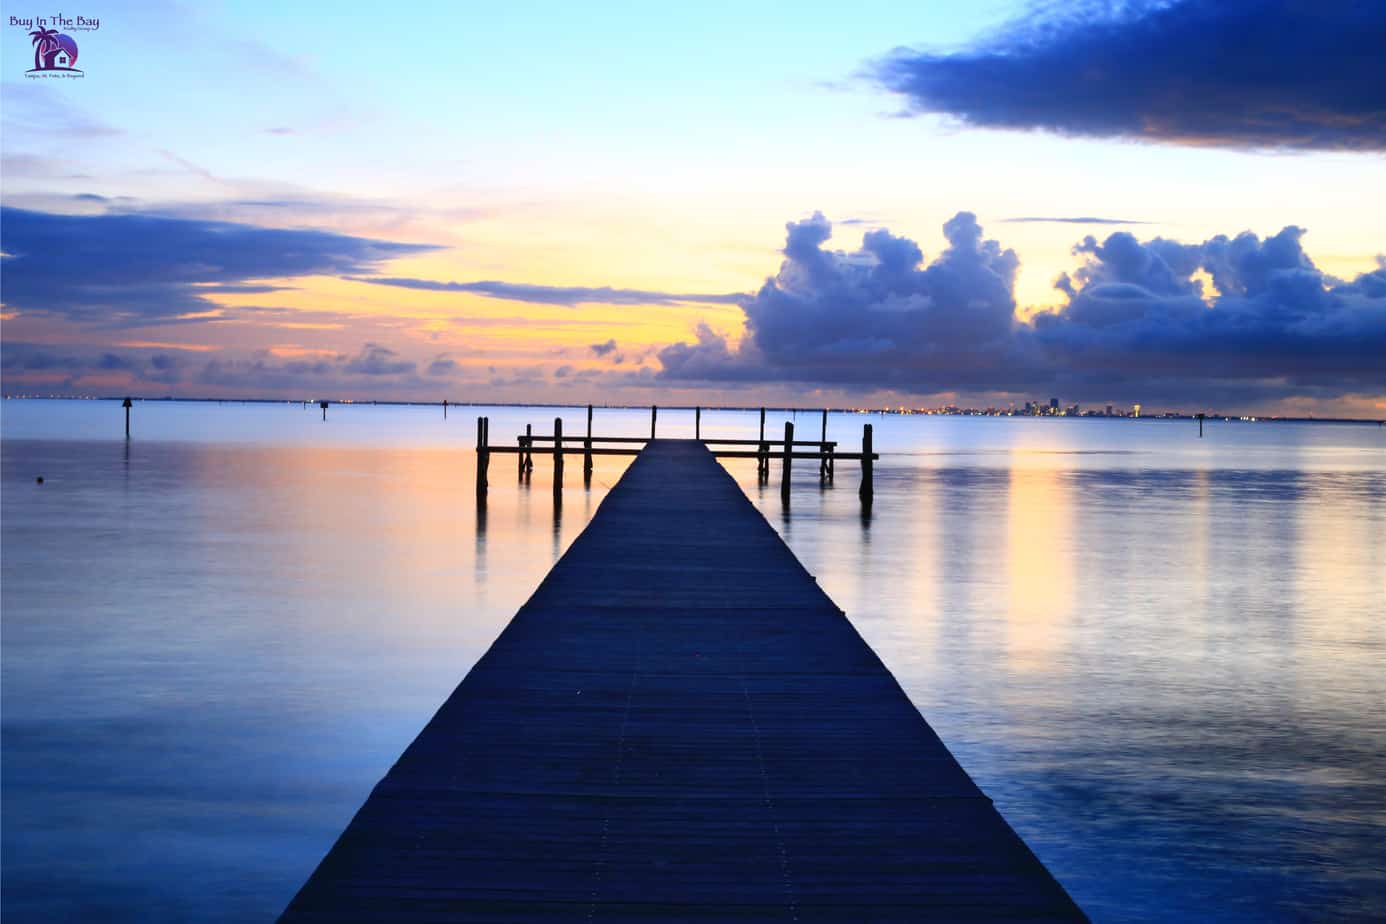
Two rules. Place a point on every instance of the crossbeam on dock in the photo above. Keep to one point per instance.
(678, 725)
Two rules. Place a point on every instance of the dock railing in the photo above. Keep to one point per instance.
(762, 449)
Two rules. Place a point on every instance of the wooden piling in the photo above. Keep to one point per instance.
(867, 487)
(483, 458)
(1200, 426)
(445, 408)
(529, 450)
(697, 423)
(763, 461)
(788, 459)
(323, 405)
(654, 414)
(558, 460)
(127, 404)
(587, 451)
(823, 448)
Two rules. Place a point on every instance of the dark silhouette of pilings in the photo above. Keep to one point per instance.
(788, 460)
(588, 446)
(763, 460)
(868, 488)
(587, 452)
(654, 415)
(823, 462)
(127, 404)
(323, 405)
(483, 456)
(557, 461)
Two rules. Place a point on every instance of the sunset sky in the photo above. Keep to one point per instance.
(1180, 204)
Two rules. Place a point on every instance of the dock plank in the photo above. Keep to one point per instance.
(679, 725)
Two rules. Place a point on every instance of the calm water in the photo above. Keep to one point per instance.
(1163, 658)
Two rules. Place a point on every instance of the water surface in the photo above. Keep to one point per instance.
(1161, 656)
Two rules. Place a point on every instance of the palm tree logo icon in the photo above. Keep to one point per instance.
(53, 51)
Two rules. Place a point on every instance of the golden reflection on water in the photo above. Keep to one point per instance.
(345, 525)
(1039, 565)
(1340, 582)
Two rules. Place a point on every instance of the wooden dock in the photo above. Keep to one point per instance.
(679, 725)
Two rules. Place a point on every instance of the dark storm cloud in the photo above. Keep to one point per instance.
(567, 296)
(1137, 320)
(133, 268)
(1228, 73)
(602, 349)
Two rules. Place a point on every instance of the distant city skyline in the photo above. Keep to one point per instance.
(715, 205)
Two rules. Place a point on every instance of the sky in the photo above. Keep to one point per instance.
(1181, 204)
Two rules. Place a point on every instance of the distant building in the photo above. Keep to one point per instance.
(1109, 410)
(1135, 410)
(1053, 405)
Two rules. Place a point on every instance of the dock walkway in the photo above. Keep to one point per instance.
(679, 725)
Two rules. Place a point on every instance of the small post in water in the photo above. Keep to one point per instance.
(558, 460)
(788, 459)
(654, 413)
(697, 423)
(823, 451)
(1200, 426)
(867, 468)
(763, 459)
(529, 450)
(587, 451)
(127, 404)
(323, 405)
(482, 459)
(445, 408)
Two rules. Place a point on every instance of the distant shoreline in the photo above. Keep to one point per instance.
(894, 412)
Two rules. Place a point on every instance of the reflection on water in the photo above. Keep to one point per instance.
(1161, 656)
(1040, 563)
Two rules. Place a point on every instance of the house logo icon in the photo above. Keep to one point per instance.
(53, 51)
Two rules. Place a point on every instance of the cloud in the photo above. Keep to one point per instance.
(375, 359)
(1226, 73)
(1078, 220)
(442, 365)
(1272, 316)
(30, 112)
(871, 317)
(130, 268)
(69, 366)
(1138, 322)
(568, 296)
(260, 373)
(603, 349)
